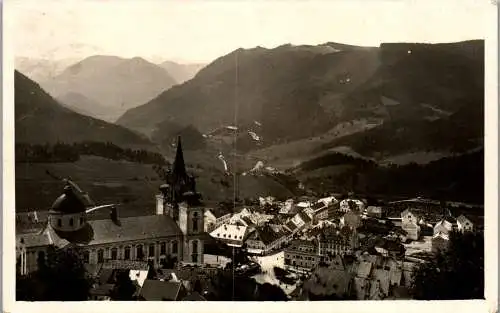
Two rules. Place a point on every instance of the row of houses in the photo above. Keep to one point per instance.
(358, 277)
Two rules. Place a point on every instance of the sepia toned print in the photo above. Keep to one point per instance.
(175, 161)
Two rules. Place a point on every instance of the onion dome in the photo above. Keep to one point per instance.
(68, 202)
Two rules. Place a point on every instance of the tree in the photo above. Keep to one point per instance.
(124, 288)
(197, 286)
(454, 274)
(62, 277)
(152, 271)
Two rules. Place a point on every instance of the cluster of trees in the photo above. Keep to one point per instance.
(458, 178)
(61, 276)
(65, 152)
(454, 274)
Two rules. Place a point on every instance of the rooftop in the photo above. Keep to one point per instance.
(98, 232)
(157, 290)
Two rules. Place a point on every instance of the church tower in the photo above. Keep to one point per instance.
(180, 200)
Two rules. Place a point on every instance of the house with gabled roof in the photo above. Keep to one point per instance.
(230, 234)
(464, 224)
(264, 239)
(157, 290)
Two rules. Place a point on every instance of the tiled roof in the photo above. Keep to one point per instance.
(33, 240)
(462, 219)
(230, 232)
(374, 209)
(303, 216)
(291, 226)
(105, 275)
(106, 231)
(298, 242)
(318, 206)
(326, 282)
(134, 228)
(265, 234)
(157, 290)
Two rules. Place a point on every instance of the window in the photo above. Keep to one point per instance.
(81, 220)
(100, 256)
(59, 222)
(152, 250)
(139, 252)
(71, 222)
(86, 257)
(127, 253)
(195, 222)
(114, 254)
(194, 250)
(195, 246)
(174, 247)
(163, 248)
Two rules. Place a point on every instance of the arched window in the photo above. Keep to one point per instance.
(71, 222)
(86, 257)
(100, 256)
(195, 222)
(114, 254)
(151, 250)
(139, 252)
(174, 247)
(163, 248)
(127, 253)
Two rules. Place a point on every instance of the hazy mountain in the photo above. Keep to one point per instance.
(424, 96)
(181, 72)
(83, 105)
(39, 118)
(114, 82)
(41, 70)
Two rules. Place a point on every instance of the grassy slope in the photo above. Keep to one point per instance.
(131, 185)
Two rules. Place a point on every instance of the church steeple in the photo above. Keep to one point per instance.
(181, 183)
(179, 168)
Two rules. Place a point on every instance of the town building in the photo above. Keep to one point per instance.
(215, 217)
(333, 241)
(464, 224)
(347, 205)
(375, 211)
(319, 212)
(302, 255)
(410, 221)
(231, 234)
(175, 231)
(444, 226)
(158, 290)
(264, 239)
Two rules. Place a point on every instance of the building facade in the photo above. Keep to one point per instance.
(174, 232)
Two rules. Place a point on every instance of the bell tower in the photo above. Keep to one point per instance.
(179, 200)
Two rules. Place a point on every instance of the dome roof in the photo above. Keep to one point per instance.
(68, 202)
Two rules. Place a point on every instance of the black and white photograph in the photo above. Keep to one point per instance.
(249, 151)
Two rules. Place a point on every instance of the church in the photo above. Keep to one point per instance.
(175, 231)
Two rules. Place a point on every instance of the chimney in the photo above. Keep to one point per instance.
(113, 214)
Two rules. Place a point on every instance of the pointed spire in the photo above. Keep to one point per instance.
(179, 168)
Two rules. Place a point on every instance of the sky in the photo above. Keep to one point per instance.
(193, 31)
